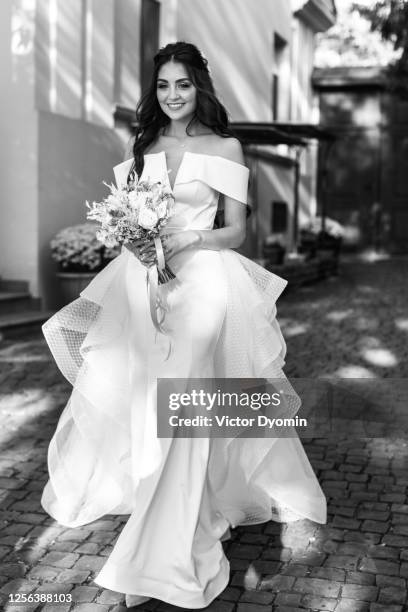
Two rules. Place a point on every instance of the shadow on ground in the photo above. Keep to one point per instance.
(354, 325)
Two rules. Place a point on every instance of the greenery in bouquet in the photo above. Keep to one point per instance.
(77, 249)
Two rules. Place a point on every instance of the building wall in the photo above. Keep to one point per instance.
(127, 52)
(82, 58)
(75, 156)
(301, 105)
(18, 153)
(366, 183)
(65, 67)
(275, 183)
(77, 146)
(239, 49)
(302, 110)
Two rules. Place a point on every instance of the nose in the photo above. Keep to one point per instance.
(173, 94)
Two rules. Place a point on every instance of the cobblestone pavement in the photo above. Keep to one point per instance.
(355, 325)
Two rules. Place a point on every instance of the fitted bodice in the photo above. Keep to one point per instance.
(197, 185)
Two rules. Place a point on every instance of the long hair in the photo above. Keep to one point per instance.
(209, 110)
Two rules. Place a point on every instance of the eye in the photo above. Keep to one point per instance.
(161, 85)
(185, 85)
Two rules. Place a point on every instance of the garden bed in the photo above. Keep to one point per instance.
(301, 272)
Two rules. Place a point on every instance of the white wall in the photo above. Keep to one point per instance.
(74, 158)
(302, 110)
(302, 67)
(275, 183)
(18, 152)
(77, 146)
(57, 122)
(127, 51)
(62, 83)
(237, 38)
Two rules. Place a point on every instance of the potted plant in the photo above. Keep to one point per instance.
(327, 243)
(80, 256)
(273, 248)
(329, 240)
(308, 243)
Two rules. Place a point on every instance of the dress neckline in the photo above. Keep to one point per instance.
(163, 155)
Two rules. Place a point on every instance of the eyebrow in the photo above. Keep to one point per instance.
(177, 81)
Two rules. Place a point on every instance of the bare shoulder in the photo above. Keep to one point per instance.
(230, 148)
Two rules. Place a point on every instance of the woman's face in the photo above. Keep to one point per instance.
(176, 93)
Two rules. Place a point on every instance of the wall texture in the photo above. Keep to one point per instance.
(18, 153)
(238, 42)
(74, 158)
(63, 69)
(65, 65)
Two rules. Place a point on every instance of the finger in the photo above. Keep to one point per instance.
(147, 257)
(133, 249)
(142, 243)
(147, 248)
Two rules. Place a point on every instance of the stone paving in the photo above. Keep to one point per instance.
(355, 325)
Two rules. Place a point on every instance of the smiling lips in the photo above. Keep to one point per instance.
(175, 106)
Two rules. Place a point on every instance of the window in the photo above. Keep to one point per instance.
(279, 48)
(149, 39)
(275, 97)
(279, 218)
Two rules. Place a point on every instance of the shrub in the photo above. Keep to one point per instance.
(76, 249)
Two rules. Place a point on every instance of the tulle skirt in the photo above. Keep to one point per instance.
(182, 494)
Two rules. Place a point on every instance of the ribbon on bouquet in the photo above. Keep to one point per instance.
(153, 286)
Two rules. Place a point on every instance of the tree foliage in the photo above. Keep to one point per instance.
(353, 40)
(369, 33)
(390, 19)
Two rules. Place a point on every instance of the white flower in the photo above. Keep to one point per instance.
(147, 218)
(114, 202)
(162, 209)
(106, 238)
(137, 200)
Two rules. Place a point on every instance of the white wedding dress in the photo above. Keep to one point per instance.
(182, 494)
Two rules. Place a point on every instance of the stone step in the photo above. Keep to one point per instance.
(17, 301)
(19, 323)
(13, 285)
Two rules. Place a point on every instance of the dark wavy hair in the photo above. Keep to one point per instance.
(209, 110)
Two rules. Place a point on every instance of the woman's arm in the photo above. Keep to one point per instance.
(229, 237)
(232, 235)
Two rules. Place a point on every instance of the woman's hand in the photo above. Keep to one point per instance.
(144, 251)
(172, 244)
(180, 241)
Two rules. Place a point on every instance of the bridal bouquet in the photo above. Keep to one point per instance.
(137, 211)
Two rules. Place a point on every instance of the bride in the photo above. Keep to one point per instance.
(182, 494)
